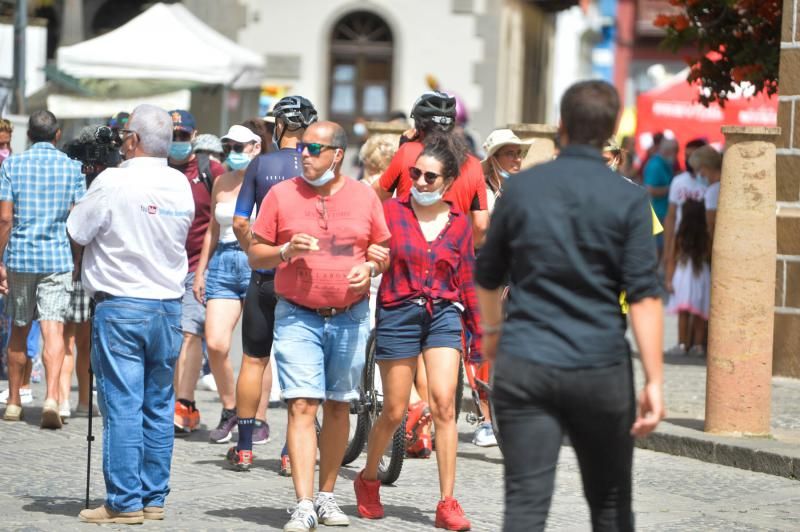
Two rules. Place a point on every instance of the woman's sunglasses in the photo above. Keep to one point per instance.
(237, 147)
(430, 177)
(315, 148)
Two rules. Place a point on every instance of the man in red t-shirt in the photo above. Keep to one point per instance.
(434, 113)
(201, 173)
(315, 229)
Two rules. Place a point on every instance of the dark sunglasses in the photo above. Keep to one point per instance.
(430, 177)
(315, 148)
(181, 136)
(237, 147)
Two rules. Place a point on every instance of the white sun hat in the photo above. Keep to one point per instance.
(504, 137)
(240, 134)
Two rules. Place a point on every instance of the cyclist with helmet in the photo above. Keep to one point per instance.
(293, 114)
(434, 113)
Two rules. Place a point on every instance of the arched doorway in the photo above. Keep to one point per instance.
(361, 68)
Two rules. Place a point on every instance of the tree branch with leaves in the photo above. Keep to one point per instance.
(737, 41)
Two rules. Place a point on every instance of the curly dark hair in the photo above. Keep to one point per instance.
(448, 149)
(692, 241)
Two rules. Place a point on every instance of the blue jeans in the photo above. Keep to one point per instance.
(320, 358)
(228, 272)
(135, 344)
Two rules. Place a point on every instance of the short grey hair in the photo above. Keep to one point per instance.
(153, 126)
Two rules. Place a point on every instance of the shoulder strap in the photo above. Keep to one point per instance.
(204, 170)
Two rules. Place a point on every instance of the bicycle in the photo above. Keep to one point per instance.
(366, 410)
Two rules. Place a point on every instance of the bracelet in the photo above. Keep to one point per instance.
(284, 249)
(488, 330)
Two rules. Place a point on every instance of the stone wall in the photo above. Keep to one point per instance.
(787, 287)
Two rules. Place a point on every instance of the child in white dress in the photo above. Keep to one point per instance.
(688, 279)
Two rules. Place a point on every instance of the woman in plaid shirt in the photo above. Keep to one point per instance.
(419, 310)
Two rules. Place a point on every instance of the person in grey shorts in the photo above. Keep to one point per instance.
(77, 344)
(37, 190)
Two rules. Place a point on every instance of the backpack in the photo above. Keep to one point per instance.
(204, 170)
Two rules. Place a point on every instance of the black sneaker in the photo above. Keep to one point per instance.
(224, 431)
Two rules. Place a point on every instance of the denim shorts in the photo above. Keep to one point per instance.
(228, 272)
(408, 329)
(193, 313)
(320, 358)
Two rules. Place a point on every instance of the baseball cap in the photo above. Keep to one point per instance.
(182, 121)
(119, 120)
(240, 134)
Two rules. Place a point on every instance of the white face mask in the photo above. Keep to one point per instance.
(324, 178)
(426, 199)
(359, 129)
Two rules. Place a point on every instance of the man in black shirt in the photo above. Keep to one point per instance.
(571, 235)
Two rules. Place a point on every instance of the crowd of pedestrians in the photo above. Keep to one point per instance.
(152, 266)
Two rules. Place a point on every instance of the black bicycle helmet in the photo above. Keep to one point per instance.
(434, 108)
(295, 111)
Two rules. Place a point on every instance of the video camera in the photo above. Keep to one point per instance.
(97, 148)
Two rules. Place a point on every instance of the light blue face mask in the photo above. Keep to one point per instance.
(180, 151)
(703, 180)
(324, 178)
(504, 174)
(426, 199)
(237, 161)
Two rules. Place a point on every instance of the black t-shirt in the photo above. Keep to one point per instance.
(572, 235)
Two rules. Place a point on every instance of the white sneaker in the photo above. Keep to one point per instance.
(328, 512)
(677, 350)
(64, 409)
(304, 518)
(207, 382)
(84, 410)
(484, 436)
(25, 395)
(697, 351)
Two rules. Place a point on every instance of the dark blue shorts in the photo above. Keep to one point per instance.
(406, 330)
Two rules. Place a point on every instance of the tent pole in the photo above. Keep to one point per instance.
(20, 24)
(223, 115)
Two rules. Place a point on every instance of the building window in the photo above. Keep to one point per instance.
(361, 68)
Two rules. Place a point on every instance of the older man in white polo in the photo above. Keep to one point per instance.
(133, 223)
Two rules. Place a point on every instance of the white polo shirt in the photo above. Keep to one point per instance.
(133, 222)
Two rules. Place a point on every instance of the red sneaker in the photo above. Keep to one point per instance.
(419, 416)
(450, 515)
(422, 448)
(240, 460)
(368, 497)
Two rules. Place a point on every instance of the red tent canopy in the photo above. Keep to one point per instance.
(674, 106)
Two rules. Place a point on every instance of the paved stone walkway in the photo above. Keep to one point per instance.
(42, 478)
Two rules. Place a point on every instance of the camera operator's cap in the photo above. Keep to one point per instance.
(182, 121)
(119, 120)
(504, 137)
(240, 134)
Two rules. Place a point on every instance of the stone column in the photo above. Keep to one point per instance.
(544, 147)
(739, 379)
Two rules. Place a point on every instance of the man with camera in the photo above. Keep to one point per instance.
(37, 190)
(133, 222)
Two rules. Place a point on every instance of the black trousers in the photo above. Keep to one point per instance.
(535, 406)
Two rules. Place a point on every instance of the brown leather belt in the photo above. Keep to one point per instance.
(327, 312)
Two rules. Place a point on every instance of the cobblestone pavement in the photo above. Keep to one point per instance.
(43, 482)
(42, 478)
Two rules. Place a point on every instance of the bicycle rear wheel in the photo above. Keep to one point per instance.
(360, 409)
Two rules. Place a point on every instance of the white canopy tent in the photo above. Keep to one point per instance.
(166, 42)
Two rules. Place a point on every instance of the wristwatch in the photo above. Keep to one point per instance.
(284, 249)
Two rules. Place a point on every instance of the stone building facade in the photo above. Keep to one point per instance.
(787, 287)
